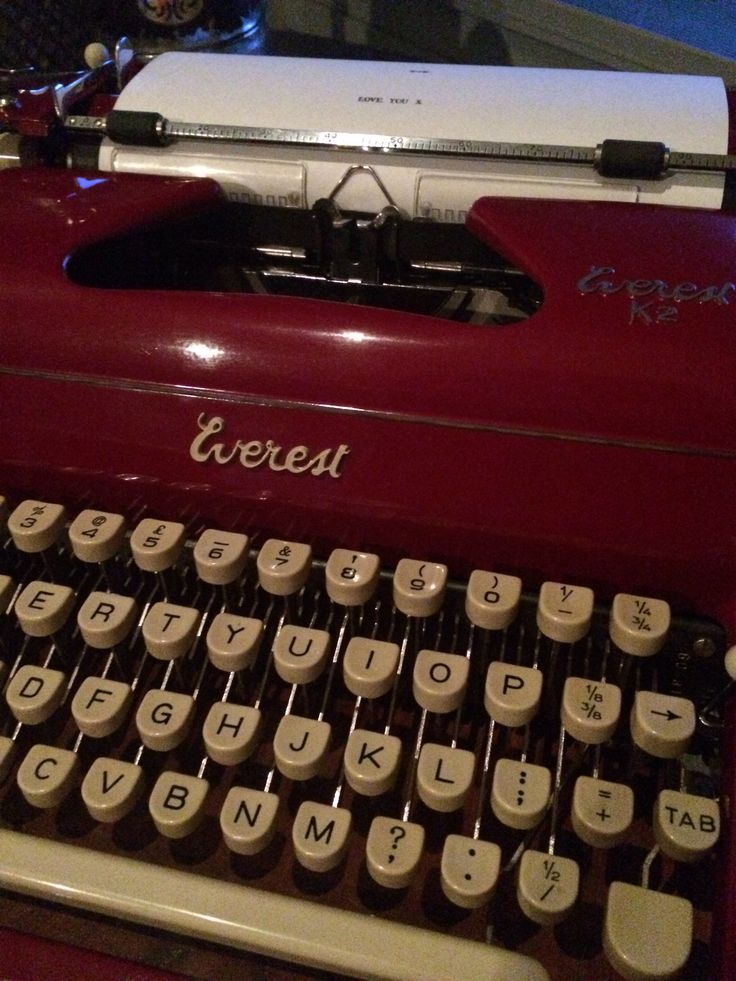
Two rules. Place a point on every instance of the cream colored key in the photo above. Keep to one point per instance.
(590, 710)
(369, 666)
(220, 556)
(100, 706)
(351, 577)
(164, 718)
(7, 589)
(520, 793)
(547, 886)
(647, 935)
(176, 804)
(36, 525)
(371, 761)
(300, 746)
(248, 820)
(300, 653)
(233, 641)
(492, 599)
(7, 756)
(156, 545)
(419, 587)
(111, 789)
(34, 694)
(469, 870)
(686, 826)
(106, 619)
(320, 835)
(283, 567)
(444, 776)
(512, 693)
(43, 608)
(564, 612)
(393, 851)
(662, 725)
(95, 536)
(46, 775)
(230, 732)
(169, 630)
(602, 811)
(639, 624)
(440, 680)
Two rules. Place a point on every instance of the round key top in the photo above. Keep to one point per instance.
(564, 612)
(444, 776)
(164, 718)
(230, 732)
(111, 788)
(512, 693)
(46, 775)
(177, 803)
(602, 811)
(686, 826)
(169, 630)
(439, 680)
(106, 619)
(590, 710)
(7, 588)
(639, 624)
(492, 599)
(547, 886)
(233, 641)
(520, 793)
(300, 653)
(96, 536)
(351, 577)
(369, 666)
(647, 934)
(36, 525)
(371, 761)
(393, 850)
(320, 835)
(100, 706)
(34, 694)
(220, 556)
(662, 725)
(248, 820)
(470, 870)
(419, 587)
(300, 746)
(283, 567)
(43, 607)
(156, 545)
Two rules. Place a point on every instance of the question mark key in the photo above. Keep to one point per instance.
(393, 851)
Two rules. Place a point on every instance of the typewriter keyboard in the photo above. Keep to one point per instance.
(385, 774)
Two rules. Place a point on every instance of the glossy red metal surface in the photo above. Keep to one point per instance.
(598, 435)
(594, 442)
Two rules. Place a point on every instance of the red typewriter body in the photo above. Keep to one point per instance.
(593, 441)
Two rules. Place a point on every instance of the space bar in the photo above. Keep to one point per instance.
(240, 916)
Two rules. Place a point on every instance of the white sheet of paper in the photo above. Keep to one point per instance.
(516, 105)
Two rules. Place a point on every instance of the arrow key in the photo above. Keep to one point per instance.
(662, 725)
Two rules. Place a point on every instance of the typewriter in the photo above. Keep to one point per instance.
(368, 452)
